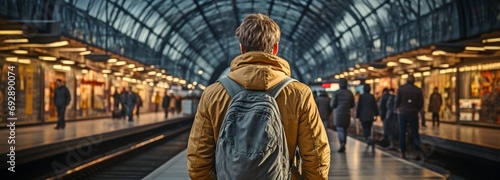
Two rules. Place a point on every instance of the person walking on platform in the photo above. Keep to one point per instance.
(129, 100)
(391, 121)
(165, 104)
(408, 103)
(435, 102)
(342, 103)
(383, 110)
(62, 97)
(259, 68)
(138, 105)
(116, 100)
(323, 103)
(156, 100)
(366, 112)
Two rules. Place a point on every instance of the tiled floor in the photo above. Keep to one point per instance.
(357, 163)
(33, 136)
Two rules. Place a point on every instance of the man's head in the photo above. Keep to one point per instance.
(343, 83)
(258, 32)
(391, 91)
(385, 90)
(435, 89)
(59, 82)
(366, 89)
(411, 79)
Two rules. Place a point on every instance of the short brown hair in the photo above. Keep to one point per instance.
(258, 32)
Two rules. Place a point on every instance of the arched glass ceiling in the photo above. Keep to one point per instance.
(319, 38)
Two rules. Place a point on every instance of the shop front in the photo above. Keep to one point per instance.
(479, 93)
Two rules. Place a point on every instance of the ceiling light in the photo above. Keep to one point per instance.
(176, 79)
(72, 49)
(106, 71)
(19, 51)
(131, 66)
(318, 79)
(351, 73)
(11, 59)
(85, 53)
(195, 83)
(424, 58)
(351, 69)
(84, 71)
(337, 76)
(371, 68)
(392, 64)
(54, 44)
(438, 52)
(200, 72)
(118, 74)
(356, 71)
(490, 40)
(11, 32)
(341, 76)
(362, 70)
(67, 62)
(417, 75)
(404, 76)
(66, 68)
(444, 65)
(24, 61)
(472, 48)
(492, 47)
(57, 66)
(120, 63)
(140, 68)
(426, 73)
(152, 73)
(158, 74)
(405, 61)
(182, 81)
(15, 41)
(112, 60)
(169, 78)
(163, 71)
(47, 58)
(424, 68)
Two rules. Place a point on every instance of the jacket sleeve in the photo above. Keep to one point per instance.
(312, 141)
(420, 100)
(68, 96)
(352, 101)
(397, 101)
(201, 146)
(333, 102)
(374, 106)
(358, 107)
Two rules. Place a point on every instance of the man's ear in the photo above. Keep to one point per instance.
(241, 49)
(275, 48)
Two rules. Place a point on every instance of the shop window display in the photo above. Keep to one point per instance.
(445, 82)
(480, 93)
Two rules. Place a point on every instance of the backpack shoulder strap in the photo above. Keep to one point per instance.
(231, 86)
(274, 91)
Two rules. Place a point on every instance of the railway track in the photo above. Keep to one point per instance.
(130, 156)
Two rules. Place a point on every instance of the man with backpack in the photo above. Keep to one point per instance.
(251, 124)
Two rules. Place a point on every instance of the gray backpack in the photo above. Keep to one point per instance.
(252, 143)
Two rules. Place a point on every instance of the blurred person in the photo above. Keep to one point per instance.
(342, 103)
(116, 99)
(391, 121)
(173, 103)
(408, 103)
(129, 100)
(258, 68)
(138, 104)
(366, 112)
(165, 104)
(323, 104)
(435, 102)
(62, 98)
(157, 100)
(383, 110)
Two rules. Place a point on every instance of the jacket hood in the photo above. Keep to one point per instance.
(258, 70)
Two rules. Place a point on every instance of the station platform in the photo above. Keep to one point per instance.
(358, 162)
(32, 139)
(473, 141)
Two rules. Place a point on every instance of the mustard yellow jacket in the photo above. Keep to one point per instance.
(300, 117)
